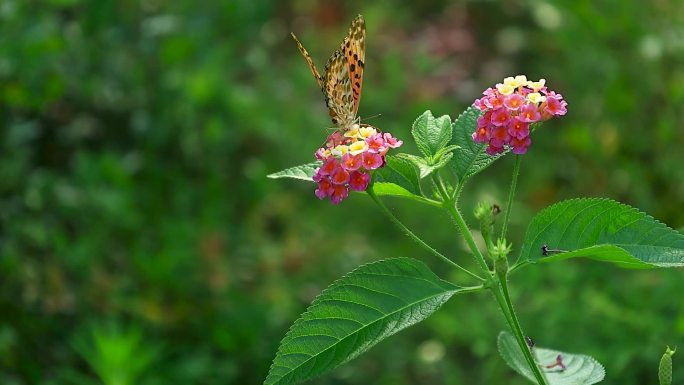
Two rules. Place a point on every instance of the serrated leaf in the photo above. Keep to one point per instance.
(356, 312)
(431, 134)
(302, 172)
(401, 172)
(472, 157)
(391, 189)
(579, 369)
(603, 230)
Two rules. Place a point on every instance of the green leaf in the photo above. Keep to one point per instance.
(401, 172)
(445, 151)
(391, 189)
(356, 312)
(603, 230)
(579, 369)
(472, 157)
(426, 168)
(302, 172)
(431, 134)
(442, 161)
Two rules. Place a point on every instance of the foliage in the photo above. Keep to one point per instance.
(118, 356)
(577, 369)
(359, 310)
(377, 300)
(603, 230)
(136, 136)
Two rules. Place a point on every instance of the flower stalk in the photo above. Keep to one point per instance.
(416, 238)
(511, 194)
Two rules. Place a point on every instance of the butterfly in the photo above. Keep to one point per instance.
(341, 83)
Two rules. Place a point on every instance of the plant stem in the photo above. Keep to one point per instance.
(498, 284)
(450, 205)
(511, 194)
(468, 236)
(506, 305)
(417, 239)
(471, 289)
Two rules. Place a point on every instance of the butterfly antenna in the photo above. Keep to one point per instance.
(373, 116)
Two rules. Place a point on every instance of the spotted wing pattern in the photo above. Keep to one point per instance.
(354, 48)
(343, 77)
(338, 91)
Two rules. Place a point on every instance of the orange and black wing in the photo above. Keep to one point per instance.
(338, 91)
(354, 48)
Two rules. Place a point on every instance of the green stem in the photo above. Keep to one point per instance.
(467, 235)
(427, 201)
(511, 194)
(450, 205)
(417, 239)
(506, 305)
(471, 289)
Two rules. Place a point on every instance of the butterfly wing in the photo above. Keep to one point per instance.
(354, 48)
(309, 61)
(338, 91)
(343, 77)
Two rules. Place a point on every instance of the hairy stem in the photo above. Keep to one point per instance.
(468, 236)
(504, 299)
(450, 206)
(511, 194)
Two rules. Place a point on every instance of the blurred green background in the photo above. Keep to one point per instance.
(141, 243)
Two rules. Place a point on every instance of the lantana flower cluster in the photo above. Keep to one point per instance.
(510, 109)
(348, 157)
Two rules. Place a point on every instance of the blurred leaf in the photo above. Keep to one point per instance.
(64, 3)
(431, 134)
(356, 312)
(665, 367)
(603, 230)
(579, 369)
(119, 356)
(302, 172)
(472, 157)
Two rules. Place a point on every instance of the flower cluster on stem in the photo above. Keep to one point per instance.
(509, 110)
(348, 157)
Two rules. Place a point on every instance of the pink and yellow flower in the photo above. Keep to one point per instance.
(510, 109)
(348, 159)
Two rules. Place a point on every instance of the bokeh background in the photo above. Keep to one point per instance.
(141, 243)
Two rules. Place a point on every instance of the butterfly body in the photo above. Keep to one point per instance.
(343, 76)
